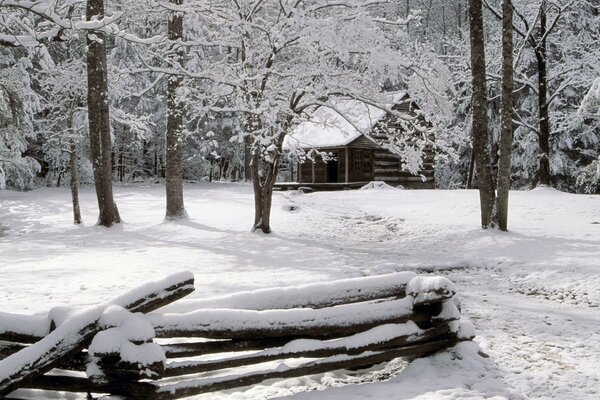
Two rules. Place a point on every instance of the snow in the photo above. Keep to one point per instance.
(531, 294)
(338, 125)
(427, 289)
(466, 330)
(590, 105)
(428, 284)
(449, 312)
(36, 325)
(145, 354)
(378, 185)
(125, 327)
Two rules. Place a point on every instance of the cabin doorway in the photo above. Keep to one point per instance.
(332, 171)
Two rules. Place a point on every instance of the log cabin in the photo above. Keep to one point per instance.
(350, 147)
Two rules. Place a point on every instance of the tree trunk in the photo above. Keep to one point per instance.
(74, 182)
(479, 104)
(263, 184)
(121, 167)
(174, 173)
(73, 167)
(506, 135)
(471, 168)
(544, 118)
(247, 159)
(99, 119)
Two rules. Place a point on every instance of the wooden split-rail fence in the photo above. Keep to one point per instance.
(198, 346)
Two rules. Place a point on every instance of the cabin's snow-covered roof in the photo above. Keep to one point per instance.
(338, 126)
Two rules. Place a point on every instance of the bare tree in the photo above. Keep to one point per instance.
(73, 167)
(98, 116)
(479, 104)
(544, 117)
(506, 136)
(174, 174)
(538, 43)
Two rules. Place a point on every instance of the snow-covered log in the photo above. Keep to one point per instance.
(428, 290)
(301, 322)
(314, 295)
(196, 386)
(8, 348)
(134, 389)
(75, 333)
(381, 337)
(23, 328)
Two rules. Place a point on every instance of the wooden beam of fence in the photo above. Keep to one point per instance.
(248, 324)
(395, 336)
(77, 331)
(314, 295)
(23, 328)
(198, 386)
(321, 323)
(135, 389)
(6, 349)
(177, 350)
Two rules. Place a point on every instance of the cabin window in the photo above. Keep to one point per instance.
(357, 160)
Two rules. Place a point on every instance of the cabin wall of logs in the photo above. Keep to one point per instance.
(127, 348)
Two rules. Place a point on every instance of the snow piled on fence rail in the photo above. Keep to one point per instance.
(532, 294)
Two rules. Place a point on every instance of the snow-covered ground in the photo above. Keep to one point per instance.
(533, 294)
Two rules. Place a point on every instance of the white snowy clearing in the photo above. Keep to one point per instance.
(533, 294)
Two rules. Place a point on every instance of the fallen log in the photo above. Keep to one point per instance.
(76, 332)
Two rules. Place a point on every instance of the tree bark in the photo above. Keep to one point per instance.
(544, 118)
(99, 119)
(74, 182)
(479, 104)
(264, 174)
(471, 169)
(506, 135)
(247, 159)
(174, 173)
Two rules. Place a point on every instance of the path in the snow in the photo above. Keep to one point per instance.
(535, 339)
(547, 350)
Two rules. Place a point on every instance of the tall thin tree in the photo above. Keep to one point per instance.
(479, 104)
(506, 135)
(73, 167)
(99, 118)
(174, 172)
(544, 115)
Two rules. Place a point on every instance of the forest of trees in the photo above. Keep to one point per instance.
(99, 91)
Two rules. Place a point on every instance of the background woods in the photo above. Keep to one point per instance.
(104, 91)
